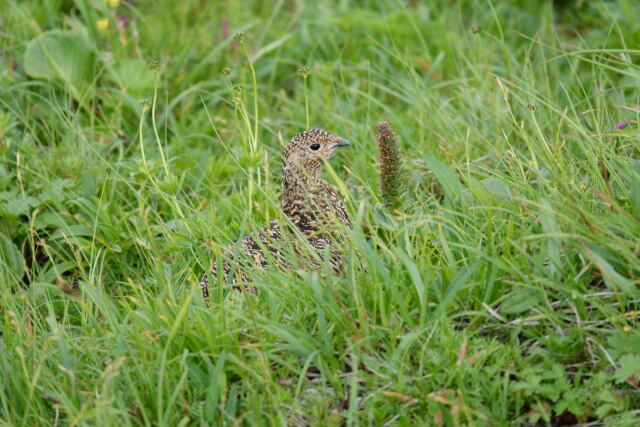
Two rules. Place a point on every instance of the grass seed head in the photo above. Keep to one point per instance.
(392, 172)
(304, 71)
(145, 104)
(237, 93)
(153, 65)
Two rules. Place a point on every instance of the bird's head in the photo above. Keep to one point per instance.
(309, 149)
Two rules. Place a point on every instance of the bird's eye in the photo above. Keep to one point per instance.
(315, 147)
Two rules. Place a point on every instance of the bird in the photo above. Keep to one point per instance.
(313, 211)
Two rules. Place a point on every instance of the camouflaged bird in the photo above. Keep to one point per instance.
(313, 210)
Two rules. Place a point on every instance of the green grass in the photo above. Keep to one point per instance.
(505, 290)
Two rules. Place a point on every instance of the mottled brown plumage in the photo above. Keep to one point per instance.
(313, 210)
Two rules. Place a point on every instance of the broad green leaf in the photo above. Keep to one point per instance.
(635, 186)
(61, 56)
(460, 282)
(446, 177)
(132, 76)
(384, 219)
(612, 278)
(414, 272)
(298, 342)
(12, 265)
(620, 343)
(49, 220)
(550, 227)
(519, 302)
(497, 188)
(57, 270)
(77, 230)
(629, 366)
(13, 205)
(271, 46)
(5, 176)
(616, 261)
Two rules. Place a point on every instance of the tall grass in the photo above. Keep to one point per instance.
(505, 291)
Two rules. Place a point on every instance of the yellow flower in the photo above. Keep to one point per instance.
(533, 164)
(103, 24)
(626, 329)
(113, 3)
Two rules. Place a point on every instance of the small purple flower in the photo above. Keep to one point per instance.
(122, 21)
(624, 124)
(225, 29)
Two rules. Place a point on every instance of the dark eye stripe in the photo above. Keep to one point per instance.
(315, 147)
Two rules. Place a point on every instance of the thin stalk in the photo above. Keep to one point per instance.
(172, 202)
(255, 98)
(306, 102)
(155, 129)
(144, 158)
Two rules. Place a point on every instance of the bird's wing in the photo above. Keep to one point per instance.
(265, 244)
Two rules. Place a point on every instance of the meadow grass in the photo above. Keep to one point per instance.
(503, 290)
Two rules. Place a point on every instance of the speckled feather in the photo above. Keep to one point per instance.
(311, 205)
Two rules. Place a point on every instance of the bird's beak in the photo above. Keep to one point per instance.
(342, 143)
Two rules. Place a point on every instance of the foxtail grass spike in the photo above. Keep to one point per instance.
(392, 172)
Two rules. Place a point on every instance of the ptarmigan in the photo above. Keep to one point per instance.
(313, 211)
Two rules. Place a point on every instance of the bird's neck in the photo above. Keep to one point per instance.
(300, 183)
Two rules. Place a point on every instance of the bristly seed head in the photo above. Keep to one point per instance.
(145, 104)
(392, 172)
(226, 71)
(153, 65)
(304, 71)
(237, 93)
(239, 37)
